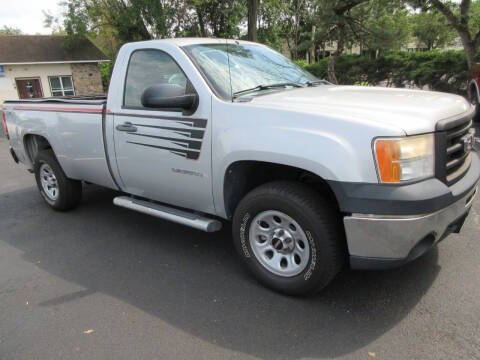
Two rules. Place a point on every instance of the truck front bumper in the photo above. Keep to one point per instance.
(377, 242)
(388, 226)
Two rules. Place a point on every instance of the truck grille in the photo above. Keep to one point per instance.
(453, 157)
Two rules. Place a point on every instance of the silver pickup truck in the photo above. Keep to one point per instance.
(312, 176)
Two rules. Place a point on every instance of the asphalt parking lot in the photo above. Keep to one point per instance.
(102, 282)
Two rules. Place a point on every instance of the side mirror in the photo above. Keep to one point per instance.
(168, 96)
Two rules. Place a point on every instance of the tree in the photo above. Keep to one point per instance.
(374, 25)
(111, 23)
(75, 24)
(7, 30)
(271, 27)
(220, 18)
(382, 25)
(252, 19)
(463, 17)
(295, 24)
(53, 23)
(432, 30)
(337, 25)
(116, 22)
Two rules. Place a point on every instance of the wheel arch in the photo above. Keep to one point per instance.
(33, 144)
(242, 176)
(474, 90)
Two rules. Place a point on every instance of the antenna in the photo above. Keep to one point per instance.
(229, 72)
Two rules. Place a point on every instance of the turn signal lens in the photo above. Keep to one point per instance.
(404, 159)
(388, 154)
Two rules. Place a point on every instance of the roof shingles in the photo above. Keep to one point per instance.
(45, 48)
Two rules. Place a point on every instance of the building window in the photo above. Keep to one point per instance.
(61, 85)
(2, 71)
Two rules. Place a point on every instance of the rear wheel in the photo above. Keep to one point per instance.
(289, 237)
(60, 192)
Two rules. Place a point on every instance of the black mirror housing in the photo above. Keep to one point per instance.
(169, 96)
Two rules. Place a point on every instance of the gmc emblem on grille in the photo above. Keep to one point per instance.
(468, 141)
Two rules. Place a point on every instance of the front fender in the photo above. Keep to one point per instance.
(329, 156)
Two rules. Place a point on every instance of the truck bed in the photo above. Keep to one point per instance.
(75, 128)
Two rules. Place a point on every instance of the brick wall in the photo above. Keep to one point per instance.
(87, 79)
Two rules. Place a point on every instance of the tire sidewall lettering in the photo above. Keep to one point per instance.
(313, 255)
(243, 236)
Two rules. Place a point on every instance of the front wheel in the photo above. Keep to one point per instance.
(476, 104)
(60, 192)
(289, 237)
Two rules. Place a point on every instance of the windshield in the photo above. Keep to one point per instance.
(248, 66)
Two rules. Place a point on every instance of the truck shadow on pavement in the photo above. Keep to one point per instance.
(193, 281)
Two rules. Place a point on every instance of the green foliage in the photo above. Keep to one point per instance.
(271, 29)
(304, 29)
(435, 70)
(302, 63)
(319, 69)
(219, 18)
(463, 16)
(384, 25)
(362, 83)
(115, 22)
(474, 24)
(76, 23)
(7, 30)
(351, 69)
(298, 26)
(432, 30)
(106, 73)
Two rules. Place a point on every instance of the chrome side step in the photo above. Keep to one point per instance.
(164, 212)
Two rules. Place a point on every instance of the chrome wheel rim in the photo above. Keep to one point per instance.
(279, 243)
(49, 182)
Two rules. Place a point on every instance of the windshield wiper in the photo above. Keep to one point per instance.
(317, 82)
(266, 87)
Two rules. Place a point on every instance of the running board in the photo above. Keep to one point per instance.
(168, 213)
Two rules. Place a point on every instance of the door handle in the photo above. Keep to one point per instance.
(127, 126)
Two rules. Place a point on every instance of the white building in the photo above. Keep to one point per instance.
(34, 66)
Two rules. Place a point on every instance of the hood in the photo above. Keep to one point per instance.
(413, 111)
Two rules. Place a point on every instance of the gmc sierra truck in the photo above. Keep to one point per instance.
(312, 176)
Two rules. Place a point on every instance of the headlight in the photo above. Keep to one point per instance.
(404, 159)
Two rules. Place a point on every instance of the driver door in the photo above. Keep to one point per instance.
(161, 154)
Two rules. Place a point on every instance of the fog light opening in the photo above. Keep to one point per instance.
(422, 246)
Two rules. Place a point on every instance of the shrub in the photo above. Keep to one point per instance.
(106, 69)
(434, 70)
(302, 63)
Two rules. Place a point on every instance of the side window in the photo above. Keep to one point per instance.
(150, 67)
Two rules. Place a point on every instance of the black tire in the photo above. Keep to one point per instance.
(69, 191)
(476, 103)
(316, 216)
(476, 118)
